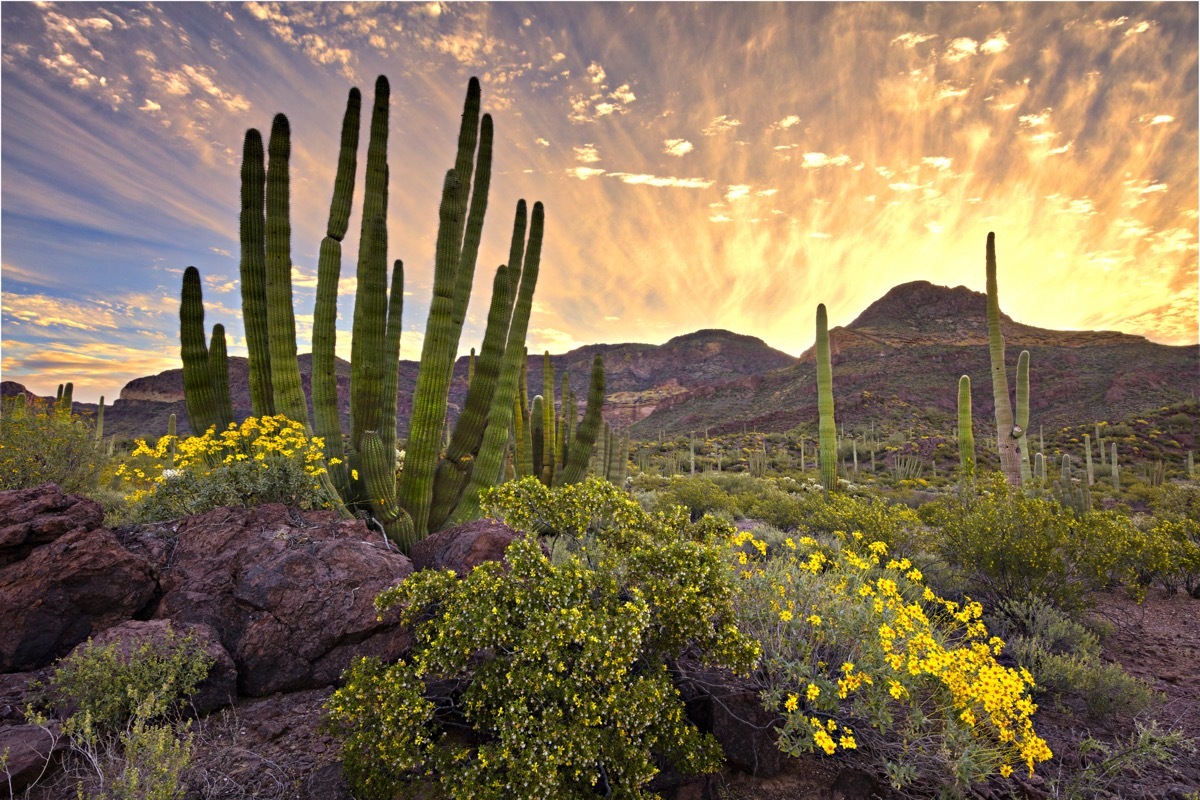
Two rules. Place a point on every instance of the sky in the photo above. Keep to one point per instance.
(712, 165)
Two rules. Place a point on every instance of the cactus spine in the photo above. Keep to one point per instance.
(826, 427)
(966, 435)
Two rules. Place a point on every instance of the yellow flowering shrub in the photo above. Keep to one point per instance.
(39, 445)
(554, 669)
(858, 650)
(261, 460)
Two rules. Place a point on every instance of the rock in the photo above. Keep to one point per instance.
(31, 752)
(64, 591)
(464, 547)
(290, 594)
(217, 690)
(33, 517)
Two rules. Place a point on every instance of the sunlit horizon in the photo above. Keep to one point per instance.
(702, 166)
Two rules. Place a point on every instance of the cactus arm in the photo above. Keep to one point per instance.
(218, 364)
(455, 469)
(253, 271)
(381, 488)
(197, 379)
(347, 168)
(1022, 419)
(826, 426)
(585, 434)
(1006, 442)
(281, 318)
(431, 393)
(537, 434)
(474, 223)
(326, 422)
(966, 436)
(548, 439)
(99, 432)
(391, 363)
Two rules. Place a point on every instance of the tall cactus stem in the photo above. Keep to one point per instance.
(1022, 413)
(1007, 436)
(825, 425)
(253, 271)
(966, 434)
(585, 434)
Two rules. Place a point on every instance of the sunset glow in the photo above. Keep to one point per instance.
(702, 166)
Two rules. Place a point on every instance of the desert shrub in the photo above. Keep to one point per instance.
(1005, 544)
(1175, 533)
(118, 711)
(859, 655)
(557, 672)
(1109, 768)
(699, 496)
(896, 525)
(40, 445)
(268, 460)
(1063, 655)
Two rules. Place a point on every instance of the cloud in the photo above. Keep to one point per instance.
(583, 173)
(960, 48)
(721, 124)
(819, 160)
(677, 147)
(656, 180)
(937, 162)
(588, 154)
(996, 43)
(737, 192)
(541, 142)
(911, 40)
(791, 120)
(596, 73)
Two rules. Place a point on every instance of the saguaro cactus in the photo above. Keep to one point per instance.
(1007, 434)
(966, 436)
(1090, 478)
(585, 434)
(1022, 420)
(826, 427)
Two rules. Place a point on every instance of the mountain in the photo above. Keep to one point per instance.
(637, 378)
(897, 365)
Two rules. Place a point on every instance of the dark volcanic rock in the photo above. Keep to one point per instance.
(33, 517)
(31, 753)
(464, 547)
(79, 584)
(217, 690)
(291, 595)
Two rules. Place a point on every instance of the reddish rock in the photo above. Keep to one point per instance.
(31, 752)
(33, 517)
(464, 547)
(65, 591)
(217, 690)
(290, 594)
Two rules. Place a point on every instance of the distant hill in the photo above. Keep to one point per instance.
(898, 365)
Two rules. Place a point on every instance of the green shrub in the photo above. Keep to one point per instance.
(557, 672)
(119, 713)
(268, 460)
(1005, 544)
(699, 496)
(1108, 768)
(860, 655)
(39, 445)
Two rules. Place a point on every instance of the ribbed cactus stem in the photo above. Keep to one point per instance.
(1087, 456)
(99, 433)
(198, 391)
(218, 364)
(253, 270)
(537, 435)
(1022, 417)
(826, 426)
(568, 420)
(471, 366)
(966, 435)
(521, 458)
(585, 434)
(370, 335)
(1039, 468)
(1116, 469)
(1006, 436)
(171, 434)
(549, 448)
(431, 393)
(281, 318)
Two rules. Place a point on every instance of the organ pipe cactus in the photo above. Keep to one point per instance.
(99, 434)
(1090, 478)
(826, 427)
(477, 452)
(253, 272)
(966, 436)
(585, 435)
(199, 392)
(1007, 433)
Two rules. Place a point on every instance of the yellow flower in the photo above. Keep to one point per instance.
(354, 474)
(785, 615)
(793, 702)
(1005, 770)
(813, 692)
(813, 619)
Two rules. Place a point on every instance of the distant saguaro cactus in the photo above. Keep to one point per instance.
(826, 427)
(966, 436)
(1007, 433)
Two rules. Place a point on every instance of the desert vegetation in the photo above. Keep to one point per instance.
(921, 606)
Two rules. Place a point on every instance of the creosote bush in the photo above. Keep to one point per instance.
(858, 653)
(267, 460)
(40, 445)
(556, 670)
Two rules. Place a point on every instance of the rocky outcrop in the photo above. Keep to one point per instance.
(464, 547)
(291, 595)
(63, 578)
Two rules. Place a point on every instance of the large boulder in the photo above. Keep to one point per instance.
(65, 591)
(31, 752)
(290, 594)
(464, 547)
(33, 517)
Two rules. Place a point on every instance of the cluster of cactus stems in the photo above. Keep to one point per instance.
(826, 428)
(444, 472)
(551, 444)
(614, 456)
